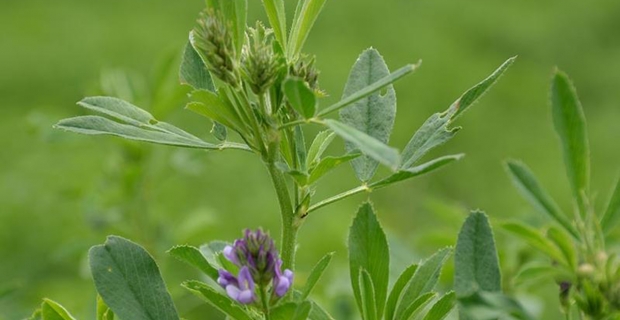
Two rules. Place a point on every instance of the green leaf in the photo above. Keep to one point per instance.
(316, 274)
(484, 305)
(300, 147)
(373, 115)
(526, 182)
(418, 304)
(291, 311)
(475, 259)
(194, 71)
(397, 289)
(103, 311)
(96, 125)
(277, 19)
(610, 218)
(409, 173)
(219, 131)
(370, 89)
(442, 307)
(422, 282)
(540, 272)
(318, 146)
(193, 257)
(368, 250)
(235, 13)
(570, 124)
(135, 124)
(301, 98)
(51, 310)
(317, 312)
(472, 95)
(305, 15)
(217, 300)
(128, 280)
(36, 315)
(564, 242)
(366, 144)
(536, 240)
(210, 105)
(434, 132)
(327, 164)
(367, 292)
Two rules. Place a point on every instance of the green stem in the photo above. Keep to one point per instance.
(288, 239)
(338, 197)
(265, 301)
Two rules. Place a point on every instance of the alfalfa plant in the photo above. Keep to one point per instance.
(260, 91)
(576, 242)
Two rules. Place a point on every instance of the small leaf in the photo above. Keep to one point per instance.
(51, 310)
(418, 304)
(235, 13)
(526, 182)
(194, 257)
(317, 312)
(218, 300)
(373, 115)
(396, 291)
(472, 95)
(409, 173)
(210, 105)
(316, 274)
(610, 218)
(434, 132)
(219, 131)
(301, 98)
(305, 15)
(370, 89)
(96, 125)
(570, 124)
(564, 242)
(103, 311)
(318, 146)
(366, 144)
(327, 164)
(540, 272)
(423, 281)
(300, 147)
(291, 311)
(536, 240)
(484, 305)
(442, 307)
(128, 280)
(368, 250)
(367, 293)
(475, 259)
(277, 18)
(194, 71)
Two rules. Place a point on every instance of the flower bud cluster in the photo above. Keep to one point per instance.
(304, 69)
(260, 65)
(260, 269)
(214, 42)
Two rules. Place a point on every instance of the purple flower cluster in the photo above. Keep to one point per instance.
(260, 266)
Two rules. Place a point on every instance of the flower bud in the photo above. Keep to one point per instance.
(260, 65)
(213, 41)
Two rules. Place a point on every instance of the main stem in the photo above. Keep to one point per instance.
(288, 240)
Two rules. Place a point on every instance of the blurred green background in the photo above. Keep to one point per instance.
(61, 193)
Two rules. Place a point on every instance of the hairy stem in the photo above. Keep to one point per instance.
(288, 239)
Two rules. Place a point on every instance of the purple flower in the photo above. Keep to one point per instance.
(260, 265)
(282, 282)
(240, 289)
